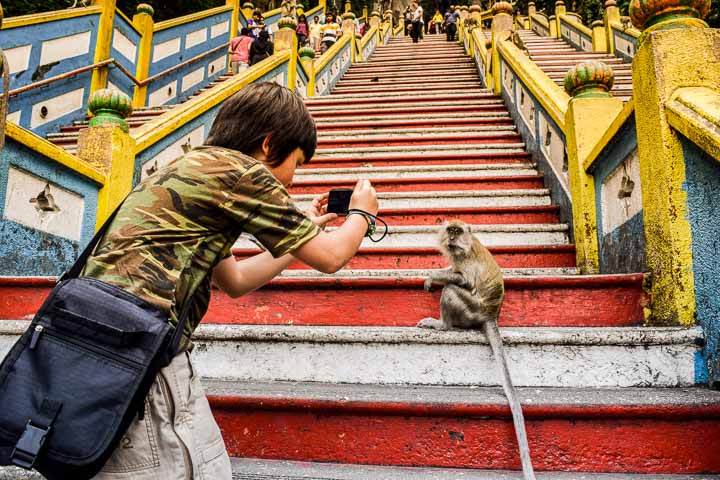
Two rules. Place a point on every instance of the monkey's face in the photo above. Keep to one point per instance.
(455, 239)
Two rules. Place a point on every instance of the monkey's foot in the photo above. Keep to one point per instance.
(431, 323)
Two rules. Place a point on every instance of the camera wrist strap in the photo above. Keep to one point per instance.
(372, 223)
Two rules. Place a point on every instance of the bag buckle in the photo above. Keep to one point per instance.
(28, 447)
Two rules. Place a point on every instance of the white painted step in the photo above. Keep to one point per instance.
(256, 469)
(415, 131)
(430, 117)
(398, 273)
(489, 235)
(453, 199)
(537, 356)
(420, 149)
(421, 95)
(418, 171)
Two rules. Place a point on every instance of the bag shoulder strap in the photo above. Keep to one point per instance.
(76, 269)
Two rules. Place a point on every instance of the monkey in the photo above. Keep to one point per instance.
(472, 295)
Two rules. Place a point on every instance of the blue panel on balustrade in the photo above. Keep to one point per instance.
(178, 44)
(618, 200)
(125, 49)
(47, 213)
(702, 184)
(40, 51)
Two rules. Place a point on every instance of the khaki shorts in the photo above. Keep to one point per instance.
(178, 438)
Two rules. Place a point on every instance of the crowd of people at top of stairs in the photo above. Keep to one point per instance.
(255, 42)
(415, 25)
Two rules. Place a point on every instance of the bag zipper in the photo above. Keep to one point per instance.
(111, 356)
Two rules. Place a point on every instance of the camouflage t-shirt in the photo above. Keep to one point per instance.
(180, 222)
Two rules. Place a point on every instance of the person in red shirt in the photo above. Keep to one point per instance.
(240, 51)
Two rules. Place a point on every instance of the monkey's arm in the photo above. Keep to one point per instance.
(444, 277)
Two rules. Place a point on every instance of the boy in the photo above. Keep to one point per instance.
(330, 32)
(171, 240)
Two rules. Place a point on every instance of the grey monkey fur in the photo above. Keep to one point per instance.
(472, 296)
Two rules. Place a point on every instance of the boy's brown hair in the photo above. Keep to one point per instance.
(262, 110)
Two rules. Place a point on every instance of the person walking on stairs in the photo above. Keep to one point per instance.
(417, 17)
(261, 48)
(171, 241)
(315, 33)
(240, 51)
(451, 24)
(302, 30)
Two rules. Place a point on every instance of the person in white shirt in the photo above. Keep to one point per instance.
(417, 19)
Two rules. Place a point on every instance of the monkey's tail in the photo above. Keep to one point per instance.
(493, 335)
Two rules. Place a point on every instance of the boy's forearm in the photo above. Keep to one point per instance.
(238, 278)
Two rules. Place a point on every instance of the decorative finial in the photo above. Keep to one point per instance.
(475, 9)
(348, 16)
(597, 23)
(109, 107)
(610, 3)
(287, 23)
(248, 6)
(666, 14)
(559, 3)
(375, 13)
(145, 8)
(502, 7)
(464, 8)
(589, 80)
(307, 53)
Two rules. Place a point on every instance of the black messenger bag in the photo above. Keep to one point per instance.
(76, 379)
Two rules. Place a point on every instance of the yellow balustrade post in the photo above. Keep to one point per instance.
(107, 146)
(375, 22)
(611, 15)
(348, 7)
(247, 10)
(531, 11)
(307, 59)
(323, 4)
(590, 112)
(554, 32)
(599, 38)
(144, 23)
(464, 14)
(286, 39)
(501, 27)
(673, 53)
(560, 10)
(103, 43)
(348, 28)
(365, 12)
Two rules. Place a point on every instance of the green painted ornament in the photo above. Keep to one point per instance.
(109, 107)
(653, 15)
(288, 23)
(306, 53)
(589, 80)
(145, 8)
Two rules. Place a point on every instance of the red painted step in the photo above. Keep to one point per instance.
(428, 158)
(607, 430)
(524, 256)
(415, 109)
(426, 184)
(617, 300)
(330, 101)
(410, 140)
(393, 124)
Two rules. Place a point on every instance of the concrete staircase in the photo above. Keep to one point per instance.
(555, 57)
(329, 370)
(67, 138)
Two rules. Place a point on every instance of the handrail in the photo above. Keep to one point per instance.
(576, 25)
(272, 13)
(695, 113)
(541, 18)
(331, 53)
(112, 61)
(127, 20)
(622, 117)
(174, 22)
(397, 30)
(156, 129)
(34, 18)
(631, 31)
(544, 89)
(368, 36)
(313, 11)
(50, 150)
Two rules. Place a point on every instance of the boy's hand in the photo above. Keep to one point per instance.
(317, 212)
(364, 197)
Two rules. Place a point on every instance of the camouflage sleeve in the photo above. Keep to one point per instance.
(264, 209)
